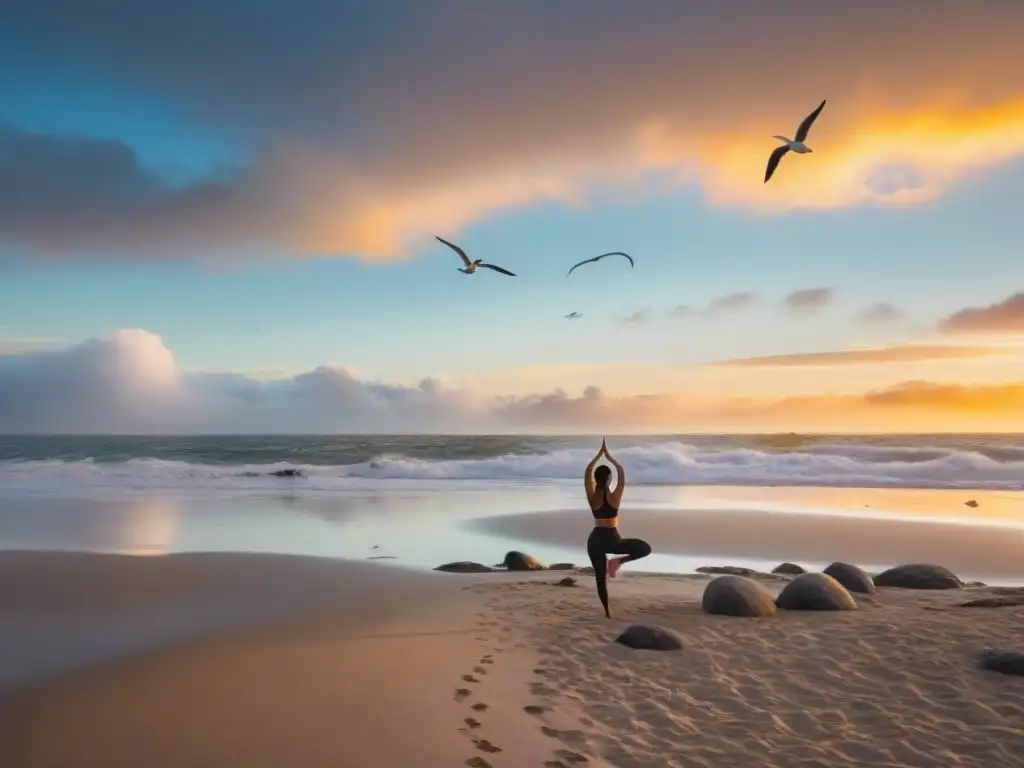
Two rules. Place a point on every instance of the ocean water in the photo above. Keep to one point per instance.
(82, 465)
(417, 501)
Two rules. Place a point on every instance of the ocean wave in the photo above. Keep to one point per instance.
(665, 463)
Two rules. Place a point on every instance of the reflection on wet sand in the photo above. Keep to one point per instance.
(135, 526)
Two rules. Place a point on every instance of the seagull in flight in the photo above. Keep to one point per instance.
(796, 145)
(598, 258)
(573, 316)
(472, 265)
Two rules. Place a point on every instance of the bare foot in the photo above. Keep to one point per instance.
(613, 567)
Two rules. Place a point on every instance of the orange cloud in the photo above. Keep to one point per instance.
(905, 407)
(909, 353)
(1006, 316)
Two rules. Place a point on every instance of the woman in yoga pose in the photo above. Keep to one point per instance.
(605, 538)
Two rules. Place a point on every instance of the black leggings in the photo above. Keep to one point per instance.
(607, 541)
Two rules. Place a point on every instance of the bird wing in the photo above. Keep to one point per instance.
(805, 126)
(454, 247)
(496, 269)
(773, 161)
(598, 258)
(619, 253)
(585, 261)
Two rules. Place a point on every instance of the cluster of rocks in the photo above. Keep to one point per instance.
(740, 594)
(514, 561)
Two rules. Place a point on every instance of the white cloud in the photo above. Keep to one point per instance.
(129, 382)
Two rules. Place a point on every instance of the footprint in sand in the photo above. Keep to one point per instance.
(572, 758)
(478, 762)
(473, 723)
(461, 694)
(470, 679)
(534, 709)
(539, 671)
(480, 670)
(485, 746)
(480, 706)
(486, 660)
(554, 764)
(537, 689)
(549, 731)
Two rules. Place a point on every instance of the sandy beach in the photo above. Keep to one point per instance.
(268, 660)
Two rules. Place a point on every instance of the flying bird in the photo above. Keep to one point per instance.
(796, 145)
(598, 258)
(573, 316)
(472, 265)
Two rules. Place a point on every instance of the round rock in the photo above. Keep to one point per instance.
(737, 596)
(520, 561)
(918, 576)
(789, 569)
(1006, 662)
(851, 577)
(464, 566)
(815, 592)
(650, 638)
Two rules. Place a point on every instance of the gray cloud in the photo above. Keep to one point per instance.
(808, 300)
(1006, 316)
(733, 302)
(640, 317)
(882, 313)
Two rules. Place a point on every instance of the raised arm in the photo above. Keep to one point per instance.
(588, 475)
(615, 497)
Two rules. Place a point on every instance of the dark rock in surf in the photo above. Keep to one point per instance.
(520, 561)
(815, 592)
(561, 566)
(851, 577)
(464, 566)
(737, 596)
(729, 570)
(918, 576)
(1004, 662)
(650, 638)
(789, 569)
(287, 473)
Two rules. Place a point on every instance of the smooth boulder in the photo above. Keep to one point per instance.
(851, 577)
(789, 569)
(737, 596)
(1005, 662)
(520, 561)
(568, 581)
(918, 576)
(815, 592)
(650, 638)
(464, 566)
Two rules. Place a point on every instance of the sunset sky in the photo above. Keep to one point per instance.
(221, 216)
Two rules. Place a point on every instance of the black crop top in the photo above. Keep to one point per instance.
(606, 511)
